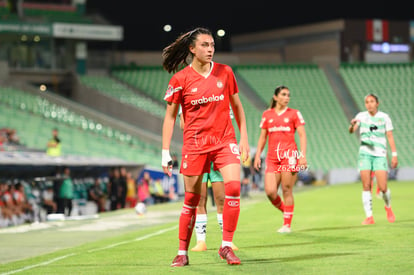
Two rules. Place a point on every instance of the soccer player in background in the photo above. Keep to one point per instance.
(375, 128)
(205, 90)
(283, 159)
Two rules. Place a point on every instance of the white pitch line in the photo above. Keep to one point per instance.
(135, 240)
(159, 232)
(40, 264)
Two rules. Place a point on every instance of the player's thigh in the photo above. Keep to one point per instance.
(192, 184)
(271, 182)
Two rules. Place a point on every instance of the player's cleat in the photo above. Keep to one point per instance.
(234, 247)
(369, 220)
(390, 214)
(285, 229)
(200, 246)
(180, 260)
(228, 254)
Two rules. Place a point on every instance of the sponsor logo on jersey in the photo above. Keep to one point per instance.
(205, 100)
(279, 129)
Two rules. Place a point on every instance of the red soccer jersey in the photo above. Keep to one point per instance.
(281, 130)
(205, 104)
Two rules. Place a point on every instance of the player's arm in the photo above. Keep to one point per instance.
(181, 121)
(353, 126)
(260, 146)
(240, 117)
(167, 132)
(303, 143)
(391, 141)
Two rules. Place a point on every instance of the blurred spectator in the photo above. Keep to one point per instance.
(97, 194)
(247, 171)
(12, 137)
(54, 144)
(8, 137)
(168, 187)
(114, 189)
(48, 202)
(157, 192)
(6, 213)
(122, 187)
(131, 195)
(144, 194)
(257, 175)
(66, 193)
(25, 210)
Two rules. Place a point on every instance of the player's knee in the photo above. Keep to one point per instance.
(191, 199)
(232, 188)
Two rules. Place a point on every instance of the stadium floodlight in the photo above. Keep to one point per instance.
(221, 33)
(167, 28)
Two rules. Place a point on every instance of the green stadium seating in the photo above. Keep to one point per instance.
(121, 92)
(33, 117)
(328, 143)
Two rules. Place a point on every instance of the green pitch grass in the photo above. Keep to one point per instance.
(327, 238)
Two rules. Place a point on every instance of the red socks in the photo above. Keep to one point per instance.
(187, 219)
(231, 209)
(288, 215)
(278, 203)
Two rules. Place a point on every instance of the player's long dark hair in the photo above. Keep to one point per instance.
(175, 55)
(277, 91)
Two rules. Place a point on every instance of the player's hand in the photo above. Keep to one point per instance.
(166, 162)
(302, 163)
(394, 162)
(353, 122)
(257, 162)
(244, 149)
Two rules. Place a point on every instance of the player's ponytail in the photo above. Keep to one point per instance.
(175, 55)
(277, 91)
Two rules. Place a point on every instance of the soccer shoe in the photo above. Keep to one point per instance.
(369, 220)
(285, 229)
(200, 246)
(180, 260)
(390, 214)
(228, 254)
(234, 247)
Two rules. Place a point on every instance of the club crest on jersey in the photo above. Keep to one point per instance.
(286, 120)
(171, 90)
(219, 84)
(234, 148)
(185, 165)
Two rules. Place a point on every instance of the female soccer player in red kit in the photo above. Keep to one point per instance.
(204, 89)
(283, 160)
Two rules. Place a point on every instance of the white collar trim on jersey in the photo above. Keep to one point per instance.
(208, 74)
(282, 112)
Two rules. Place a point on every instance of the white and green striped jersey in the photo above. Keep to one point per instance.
(372, 131)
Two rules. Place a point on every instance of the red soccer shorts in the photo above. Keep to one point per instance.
(194, 165)
(283, 165)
